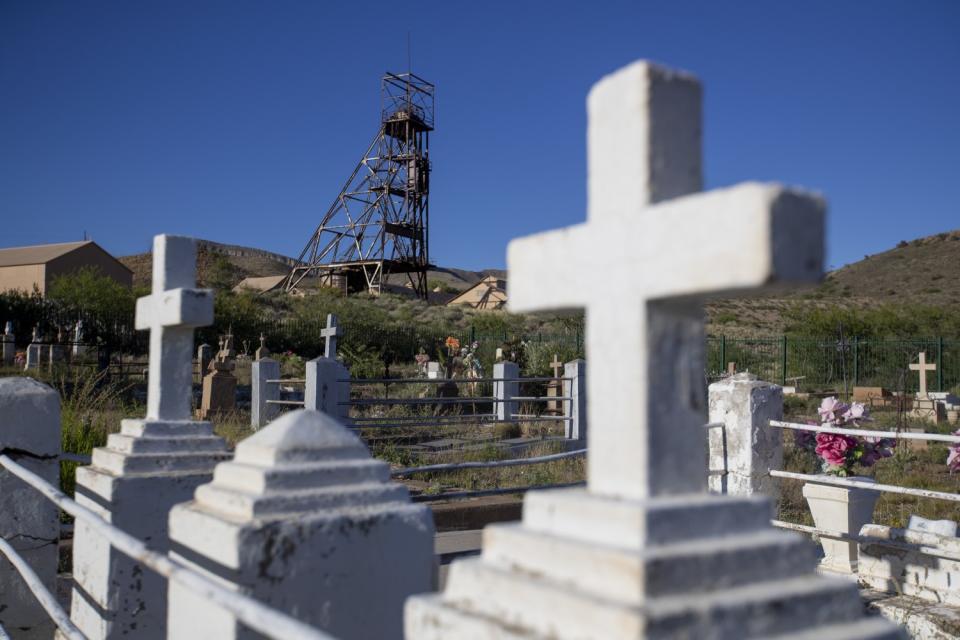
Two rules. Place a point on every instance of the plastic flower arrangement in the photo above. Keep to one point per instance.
(452, 344)
(839, 452)
(953, 457)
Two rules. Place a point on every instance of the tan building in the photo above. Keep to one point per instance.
(24, 268)
(489, 293)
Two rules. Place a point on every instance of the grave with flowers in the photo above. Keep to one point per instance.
(835, 508)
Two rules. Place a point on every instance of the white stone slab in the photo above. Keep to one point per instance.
(643, 551)
(305, 520)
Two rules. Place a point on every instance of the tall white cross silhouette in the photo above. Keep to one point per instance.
(330, 334)
(642, 270)
(922, 367)
(170, 313)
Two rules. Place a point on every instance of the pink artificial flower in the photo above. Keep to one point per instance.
(831, 410)
(833, 448)
(856, 411)
(953, 458)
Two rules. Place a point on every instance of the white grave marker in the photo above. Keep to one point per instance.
(150, 465)
(921, 368)
(330, 334)
(644, 551)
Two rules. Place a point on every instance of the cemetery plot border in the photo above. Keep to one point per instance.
(254, 614)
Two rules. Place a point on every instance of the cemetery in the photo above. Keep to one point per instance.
(670, 419)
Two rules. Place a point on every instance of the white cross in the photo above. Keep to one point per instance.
(330, 335)
(556, 365)
(642, 270)
(170, 313)
(922, 369)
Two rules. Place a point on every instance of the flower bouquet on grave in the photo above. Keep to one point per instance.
(953, 455)
(840, 453)
(453, 345)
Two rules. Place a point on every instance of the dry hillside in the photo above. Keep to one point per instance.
(238, 263)
(925, 271)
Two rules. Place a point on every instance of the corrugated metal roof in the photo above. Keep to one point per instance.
(37, 254)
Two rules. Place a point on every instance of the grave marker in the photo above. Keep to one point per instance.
(34, 350)
(643, 551)
(262, 351)
(330, 334)
(152, 464)
(921, 368)
(9, 345)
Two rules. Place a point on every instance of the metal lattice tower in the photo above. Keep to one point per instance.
(377, 226)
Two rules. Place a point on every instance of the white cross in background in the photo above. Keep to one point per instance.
(922, 369)
(642, 265)
(170, 313)
(556, 365)
(330, 334)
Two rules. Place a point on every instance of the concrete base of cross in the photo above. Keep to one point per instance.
(585, 566)
(133, 482)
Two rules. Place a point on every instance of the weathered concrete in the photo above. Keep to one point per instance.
(261, 411)
(576, 409)
(505, 389)
(909, 562)
(30, 433)
(305, 520)
(644, 551)
(326, 389)
(746, 448)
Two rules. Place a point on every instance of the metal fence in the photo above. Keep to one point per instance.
(833, 363)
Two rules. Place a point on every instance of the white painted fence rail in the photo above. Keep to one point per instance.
(859, 484)
(515, 462)
(899, 435)
(255, 615)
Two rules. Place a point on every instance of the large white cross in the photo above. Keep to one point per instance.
(642, 265)
(170, 313)
(922, 369)
(330, 334)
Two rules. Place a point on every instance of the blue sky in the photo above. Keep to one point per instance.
(239, 121)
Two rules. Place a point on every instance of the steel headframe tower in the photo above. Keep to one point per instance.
(377, 226)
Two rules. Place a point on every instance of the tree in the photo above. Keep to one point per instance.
(91, 292)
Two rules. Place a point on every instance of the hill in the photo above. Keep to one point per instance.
(921, 272)
(226, 265)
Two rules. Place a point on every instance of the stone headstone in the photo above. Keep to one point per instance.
(79, 348)
(219, 392)
(433, 370)
(262, 351)
(305, 521)
(644, 551)
(204, 356)
(9, 345)
(34, 351)
(152, 464)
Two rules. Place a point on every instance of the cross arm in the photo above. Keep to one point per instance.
(747, 238)
(175, 307)
(547, 270)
